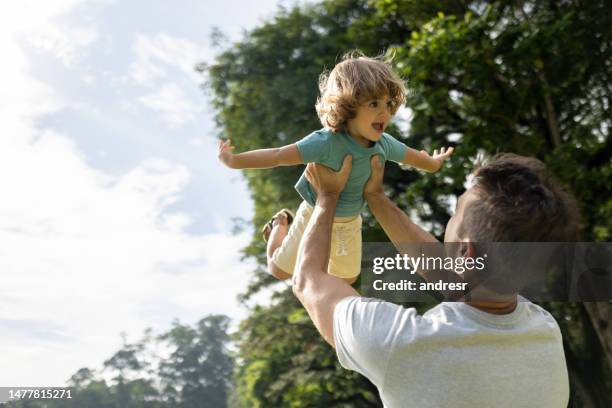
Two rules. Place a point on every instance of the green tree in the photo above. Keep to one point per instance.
(132, 385)
(193, 370)
(198, 370)
(526, 77)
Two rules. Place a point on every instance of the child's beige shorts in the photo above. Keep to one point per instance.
(345, 255)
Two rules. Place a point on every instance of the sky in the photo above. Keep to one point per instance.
(115, 214)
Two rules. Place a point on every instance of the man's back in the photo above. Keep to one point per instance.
(454, 355)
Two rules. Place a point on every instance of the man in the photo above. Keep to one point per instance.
(492, 351)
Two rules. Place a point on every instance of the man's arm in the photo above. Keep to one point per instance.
(403, 233)
(318, 291)
(259, 159)
(396, 224)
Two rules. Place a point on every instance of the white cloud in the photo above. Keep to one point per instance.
(28, 14)
(155, 54)
(65, 43)
(156, 59)
(173, 104)
(92, 255)
(85, 254)
(36, 23)
(196, 141)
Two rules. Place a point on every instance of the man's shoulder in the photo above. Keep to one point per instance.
(525, 315)
(535, 311)
(446, 319)
(369, 325)
(365, 304)
(370, 315)
(365, 333)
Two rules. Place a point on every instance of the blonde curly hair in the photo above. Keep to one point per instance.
(352, 82)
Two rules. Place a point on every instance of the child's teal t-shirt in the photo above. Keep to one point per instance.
(328, 148)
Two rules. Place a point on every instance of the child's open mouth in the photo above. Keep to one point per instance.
(378, 126)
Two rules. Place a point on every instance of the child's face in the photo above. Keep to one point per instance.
(371, 120)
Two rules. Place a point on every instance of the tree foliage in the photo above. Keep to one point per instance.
(526, 77)
(185, 367)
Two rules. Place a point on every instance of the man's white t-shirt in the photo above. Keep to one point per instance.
(454, 355)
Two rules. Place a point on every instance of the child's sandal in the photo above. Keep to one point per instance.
(267, 229)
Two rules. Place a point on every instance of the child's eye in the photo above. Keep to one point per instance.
(389, 104)
(373, 104)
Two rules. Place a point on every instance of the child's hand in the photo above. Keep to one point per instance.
(225, 152)
(440, 155)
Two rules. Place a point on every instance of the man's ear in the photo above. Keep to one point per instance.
(470, 249)
(466, 249)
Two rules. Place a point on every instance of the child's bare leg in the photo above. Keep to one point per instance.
(280, 227)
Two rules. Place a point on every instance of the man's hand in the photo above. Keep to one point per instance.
(374, 185)
(224, 153)
(325, 181)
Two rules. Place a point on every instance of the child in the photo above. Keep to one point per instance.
(358, 99)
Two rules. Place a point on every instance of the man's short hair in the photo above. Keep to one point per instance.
(519, 201)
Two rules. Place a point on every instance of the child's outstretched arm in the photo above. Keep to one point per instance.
(422, 160)
(259, 159)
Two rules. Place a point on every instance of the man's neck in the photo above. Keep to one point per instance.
(494, 307)
(490, 302)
